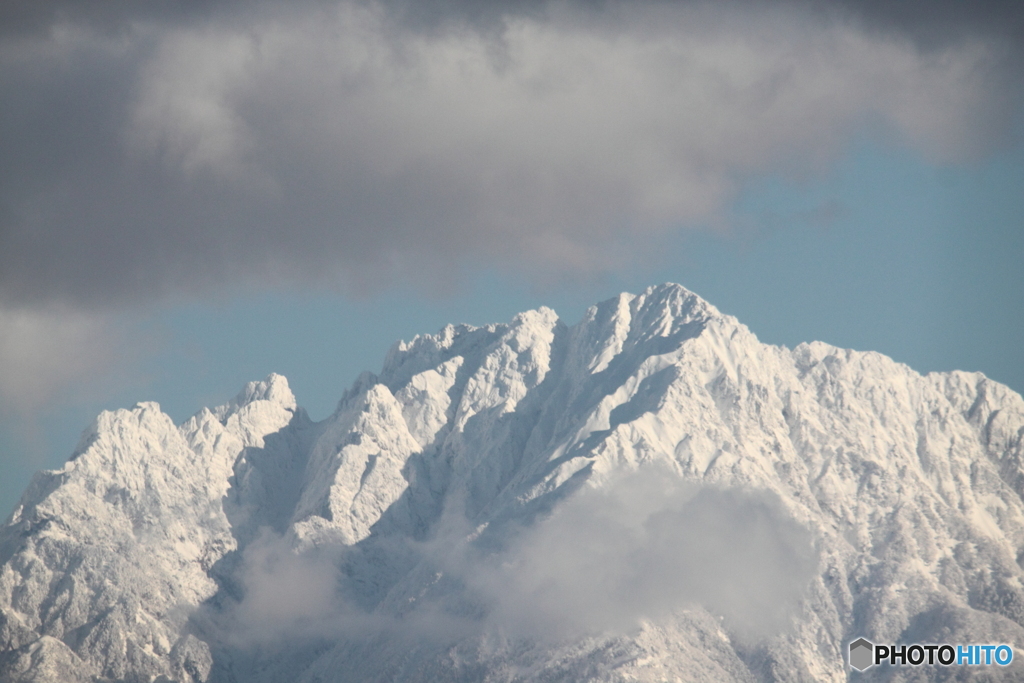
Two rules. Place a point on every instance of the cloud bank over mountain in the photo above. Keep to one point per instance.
(161, 151)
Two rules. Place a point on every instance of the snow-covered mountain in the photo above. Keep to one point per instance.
(651, 494)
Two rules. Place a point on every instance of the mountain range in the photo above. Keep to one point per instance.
(651, 494)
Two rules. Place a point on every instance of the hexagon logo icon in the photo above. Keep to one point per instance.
(861, 654)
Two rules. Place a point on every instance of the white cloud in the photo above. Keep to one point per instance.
(644, 548)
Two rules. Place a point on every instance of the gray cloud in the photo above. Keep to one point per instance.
(933, 22)
(155, 153)
(929, 20)
(42, 352)
(286, 596)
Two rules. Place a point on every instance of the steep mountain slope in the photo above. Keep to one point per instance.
(467, 515)
(102, 559)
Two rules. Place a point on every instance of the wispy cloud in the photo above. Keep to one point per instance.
(641, 549)
(50, 352)
(645, 547)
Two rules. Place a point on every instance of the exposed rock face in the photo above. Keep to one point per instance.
(192, 552)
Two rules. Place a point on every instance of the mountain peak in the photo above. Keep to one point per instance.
(673, 301)
(273, 389)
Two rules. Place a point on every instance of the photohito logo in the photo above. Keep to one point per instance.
(864, 653)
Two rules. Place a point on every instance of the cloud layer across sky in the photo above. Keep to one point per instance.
(343, 142)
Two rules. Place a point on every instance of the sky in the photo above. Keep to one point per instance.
(194, 195)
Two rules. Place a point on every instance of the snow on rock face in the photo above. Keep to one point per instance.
(355, 468)
(425, 400)
(104, 559)
(468, 445)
